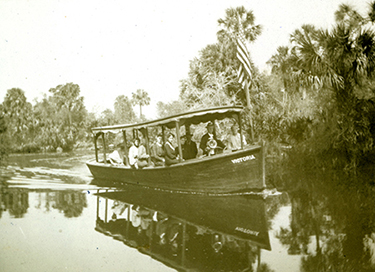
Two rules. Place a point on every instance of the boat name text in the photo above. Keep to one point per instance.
(247, 231)
(243, 159)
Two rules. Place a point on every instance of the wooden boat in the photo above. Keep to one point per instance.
(185, 231)
(229, 171)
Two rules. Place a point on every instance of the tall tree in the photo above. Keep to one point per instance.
(107, 118)
(140, 98)
(123, 110)
(68, 100)
(3, 140)
(17, 113)
(281, 66)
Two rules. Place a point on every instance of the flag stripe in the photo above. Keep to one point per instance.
(244, 71)
(245, 64)
(243, 56)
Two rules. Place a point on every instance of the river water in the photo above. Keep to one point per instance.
(55, 217)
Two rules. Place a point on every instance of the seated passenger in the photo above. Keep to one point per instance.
(170, 152)
(142, 156)
(208, 139)
(189, 148)
(157, 152)
(234, 140)
(116, 156)
(133, 153)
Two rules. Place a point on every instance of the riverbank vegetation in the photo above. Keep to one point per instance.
(318, 100)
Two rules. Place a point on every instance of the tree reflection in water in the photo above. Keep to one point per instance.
(332, 221)
(16, 201)
(71, 203)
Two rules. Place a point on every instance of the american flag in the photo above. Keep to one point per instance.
(244, 72)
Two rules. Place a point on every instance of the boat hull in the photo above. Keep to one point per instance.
(227, 172)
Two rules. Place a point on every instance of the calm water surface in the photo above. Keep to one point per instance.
(55, 217)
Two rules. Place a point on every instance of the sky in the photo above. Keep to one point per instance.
(111, 48)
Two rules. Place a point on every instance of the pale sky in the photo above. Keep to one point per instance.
(110, 48)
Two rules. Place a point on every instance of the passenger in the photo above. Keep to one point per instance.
(234, 141)
(207, 138)
(116, 157)
(157, 152)
(142, 155)
(189, 148)
(170, 152)
(133, 154)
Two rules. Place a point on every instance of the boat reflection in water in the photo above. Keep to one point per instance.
(185, 231)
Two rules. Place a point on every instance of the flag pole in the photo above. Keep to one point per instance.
(247, 84)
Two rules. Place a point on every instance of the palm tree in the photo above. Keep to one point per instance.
(343, 61)
(140, 98)
(239, 20)
(124, 112)
(280, 63)
(342, 58)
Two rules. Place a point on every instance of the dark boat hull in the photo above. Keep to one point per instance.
(227, 172)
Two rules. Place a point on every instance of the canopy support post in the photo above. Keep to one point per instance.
(147, 146)
(96, 146)
(178, 140)
(247, 85)
(163, 135)
(106, 209)
(97, 205)
(187, 129)
(125, 148)
(104, 149)
(183, 243)
(264, 163)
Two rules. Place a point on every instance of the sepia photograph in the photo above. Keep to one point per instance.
(187, 135)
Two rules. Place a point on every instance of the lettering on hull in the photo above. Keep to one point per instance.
(247, 231)
(243, 159)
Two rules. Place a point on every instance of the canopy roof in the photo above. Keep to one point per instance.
(193, 117)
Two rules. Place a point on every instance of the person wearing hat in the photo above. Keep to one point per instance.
(210, 135)
(189, 148)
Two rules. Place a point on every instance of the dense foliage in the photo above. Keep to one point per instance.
(57, 122)
(336, 68)
(319, 98)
